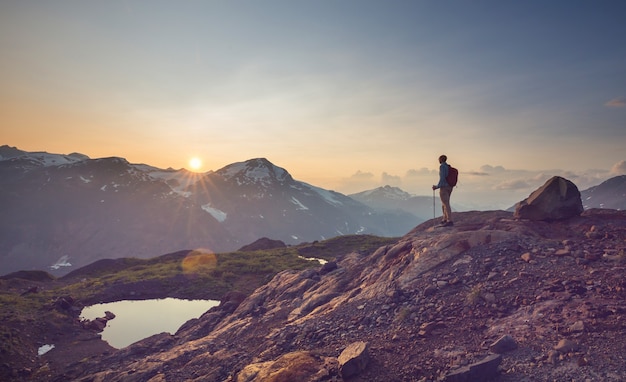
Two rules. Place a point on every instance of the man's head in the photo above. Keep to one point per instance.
(443, 158)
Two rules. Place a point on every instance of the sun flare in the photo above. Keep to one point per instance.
(195, 163)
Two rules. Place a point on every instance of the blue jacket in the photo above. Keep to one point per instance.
(443, 174)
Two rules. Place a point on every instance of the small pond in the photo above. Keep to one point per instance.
(136, 320)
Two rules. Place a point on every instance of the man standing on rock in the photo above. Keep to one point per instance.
(445, 190)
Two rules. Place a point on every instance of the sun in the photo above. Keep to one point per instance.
(195, 163)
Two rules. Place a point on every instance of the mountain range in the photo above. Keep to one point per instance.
(67, 211)
(388, 198)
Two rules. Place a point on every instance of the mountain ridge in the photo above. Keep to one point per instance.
(112, 208)
(609, 194)
(388, 198)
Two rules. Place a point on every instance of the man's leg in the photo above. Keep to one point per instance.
(444, 193)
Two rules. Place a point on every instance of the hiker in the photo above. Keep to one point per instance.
(444, 192)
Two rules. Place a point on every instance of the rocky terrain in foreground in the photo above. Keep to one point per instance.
(491, 298)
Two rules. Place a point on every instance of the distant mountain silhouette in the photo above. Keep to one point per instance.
(69, 210)
(390, 198)
(609, 194)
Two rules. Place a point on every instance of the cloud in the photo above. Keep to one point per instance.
(542, 177)
(569, 175)
(616, 102)
(360, 175)
(392, 180)
(489, 187)
(416, 173)
(488, 168)
(516, 184)
(619, 168)
(357, 182)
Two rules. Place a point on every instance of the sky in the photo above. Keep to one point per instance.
(345, 95)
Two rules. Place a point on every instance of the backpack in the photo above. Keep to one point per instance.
(453, 176)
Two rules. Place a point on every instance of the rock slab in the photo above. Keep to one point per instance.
(503, 344)
(481, 371)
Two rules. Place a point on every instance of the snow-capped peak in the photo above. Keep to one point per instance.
(387, 192)
(255, 171)
(39, 158)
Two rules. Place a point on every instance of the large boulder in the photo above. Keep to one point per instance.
(354, 359)
(557, 199)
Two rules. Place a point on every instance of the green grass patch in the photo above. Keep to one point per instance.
(201, 274)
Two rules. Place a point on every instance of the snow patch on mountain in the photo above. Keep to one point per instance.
(45, 159)
(329, 196)
(44, 349)
(297, 203)
(7, 152)
(219, 215)
(62, 262)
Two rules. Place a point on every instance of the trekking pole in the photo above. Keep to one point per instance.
(434, 217)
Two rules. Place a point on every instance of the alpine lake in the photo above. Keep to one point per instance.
(136, 320)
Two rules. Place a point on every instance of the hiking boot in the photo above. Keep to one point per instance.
(448, 224)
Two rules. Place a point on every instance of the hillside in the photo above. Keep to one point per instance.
(39, 309)
(609, 194)
(556, 289)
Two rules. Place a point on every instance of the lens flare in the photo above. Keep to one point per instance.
(199, 260)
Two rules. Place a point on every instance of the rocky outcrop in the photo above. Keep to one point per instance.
(99, 323)
(430, 307)
(557, 199)
(298, 366)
